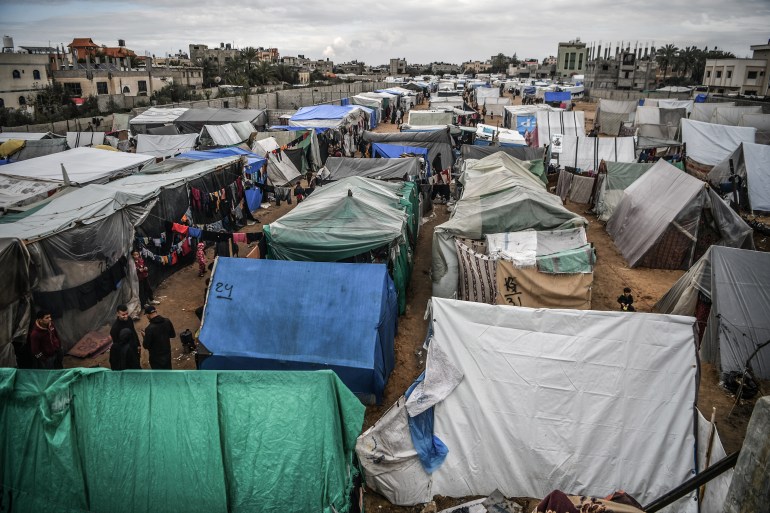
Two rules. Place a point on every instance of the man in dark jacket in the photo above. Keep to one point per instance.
(157, 339)
(44, 342)
(124, 353)
(123, 321)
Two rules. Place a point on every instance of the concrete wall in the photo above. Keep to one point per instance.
(615, 94)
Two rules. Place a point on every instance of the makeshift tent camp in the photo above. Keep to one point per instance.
(429, 117)
(344, 320)
(84, 139)
(27, 136)
(667, 219)
(254, 162)
(562, 122)
(705, 111)
(192, 121)
(667, 103)
(14, 299)
(611, 115)
(302, 146)
(487, 135)
(229, 430)
(228, 134)
(552, 269)
(732, 115)
(524, 117)
(469, 151)
(500, 194)
(494, 106)
(438, 142)
(155, 117)
(281, 171)
(761, 122)
(614, 178)
(380, 169)
(354, 219)
(586, 153)
(40, 148)
(727, 290)
(165, 145)
(709, 144)
(507, 391)
(752, 163)
(330, 116)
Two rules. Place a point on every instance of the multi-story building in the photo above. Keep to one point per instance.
(217, 56)
(550, 61)
(352, 67)
(22, 74)
(742, 76)
(397, 66)
(625, 71)
(475, 66)
(440, 68)
(324, 66)
(571, 59)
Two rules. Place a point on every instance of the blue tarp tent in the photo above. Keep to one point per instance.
(254, 162)
(557, 96)
(286, 315)
(394, 151)
(330, 116)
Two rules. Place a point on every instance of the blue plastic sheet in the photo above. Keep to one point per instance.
(253, 161)
(430, 449)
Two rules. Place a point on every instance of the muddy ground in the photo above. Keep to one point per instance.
(183, 292)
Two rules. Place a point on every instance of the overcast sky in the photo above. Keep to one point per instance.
(420, 31)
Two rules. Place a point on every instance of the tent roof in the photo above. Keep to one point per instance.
(26, 136)
(218, 153)
(333, 323)
(40, 148)
(83, 165)
(210, 115)
(164, 145)
(382, 169)
(437, 142)
(158, 115)
(751, 162)
(395, 150)
(470, 151)
(709, 143)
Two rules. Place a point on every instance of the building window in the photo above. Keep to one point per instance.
(580, 62)
(566, 60)
(73, 89)
(2, 103)
(752, 75)
(729, 74)
(142, 86)
(605, 67)
(719, 74)
(708, 74)
(749, 93)
(35, 74)
(22, 100)
(625, 74)
(101, 88)
(16, 73)
(126, 90)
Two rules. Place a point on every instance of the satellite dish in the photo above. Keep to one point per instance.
(217, 80)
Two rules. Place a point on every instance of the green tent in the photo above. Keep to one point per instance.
(347, 219)
(97, 440)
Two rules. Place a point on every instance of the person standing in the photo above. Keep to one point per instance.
(399, 116)
(157, 339)
(124, 322)
(146, 296)
(124, 353)
(44, 343)
(200, 256)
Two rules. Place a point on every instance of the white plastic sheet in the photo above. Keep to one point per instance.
(81, 139)
(709, 143)
(586, 153)
(165, 145)
(568, 123)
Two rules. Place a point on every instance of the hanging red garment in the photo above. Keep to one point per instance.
(180, 228)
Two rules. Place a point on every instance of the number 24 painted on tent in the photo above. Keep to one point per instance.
(222, 289)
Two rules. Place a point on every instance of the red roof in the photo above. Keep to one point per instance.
(118, 52)
(82, 42)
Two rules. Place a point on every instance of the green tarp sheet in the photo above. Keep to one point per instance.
(160, 441)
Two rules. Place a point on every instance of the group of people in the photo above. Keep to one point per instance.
(126, 351)
(394, 115)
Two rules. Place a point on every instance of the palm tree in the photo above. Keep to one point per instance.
(234, 70)
(249, 54)
(285, 74)
(261, 74)
(686, 60)
(665, 57)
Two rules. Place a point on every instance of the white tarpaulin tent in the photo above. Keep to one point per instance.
(155, 117)
(705, 111)
(429, 117)
(613, 113)
(586, 153)
(736, 282)
(658, 222)
(709, 143)
(618, 176)
(80, 139)
(752, 163)
(532, 400)
(761, 122)
(15, 192)
(165, 145)
(561, 122)
(228, 134)
(732, 115)
(264, 146)
(495, 106)
(665, 103)
(280, 170)
(26, 136)
(83, 166)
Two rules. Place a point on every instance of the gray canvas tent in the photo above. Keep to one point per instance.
(40, 148)
(667, 219)
(192, 121)
(14, 298)
(156, 118)
(612, 114)
(614, 178)
(438, 142)
(381, 169)
(735, 282)
(500, 195)
(470, 151)
(752, 163)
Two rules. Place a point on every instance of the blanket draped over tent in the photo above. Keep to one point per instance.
(513, 388)
(160, 441)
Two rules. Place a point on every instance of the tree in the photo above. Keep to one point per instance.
(249, 55)
(286, 74)
(235, 71)
(261, 74)
(665, 57)
(515, 59)
(685, 61)
(499, 63)
(209, 72)
(316, 76)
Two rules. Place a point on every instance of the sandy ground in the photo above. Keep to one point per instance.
(183, 292)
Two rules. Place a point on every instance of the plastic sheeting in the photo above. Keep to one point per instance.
(165, 145)
(759, 121)
(159, 441)
(380, 169)
(83, 165)
(26, 136)
(193, 120)
(158, 116)
(438, 142)
(41, 148)
(752, 163)
(14, 298)
(666, 200)
(618, 177)
(732, 115)
(705, 111)
(344, 320)
(613, 113)
(280, 170)
(586, 153)
(469, 151)
(16, 192)
(429, 117)
(709, 143)
(82, 139)
(529, 386)
(561, 122)
(331, 116)
(500, 195)
(737, 282)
